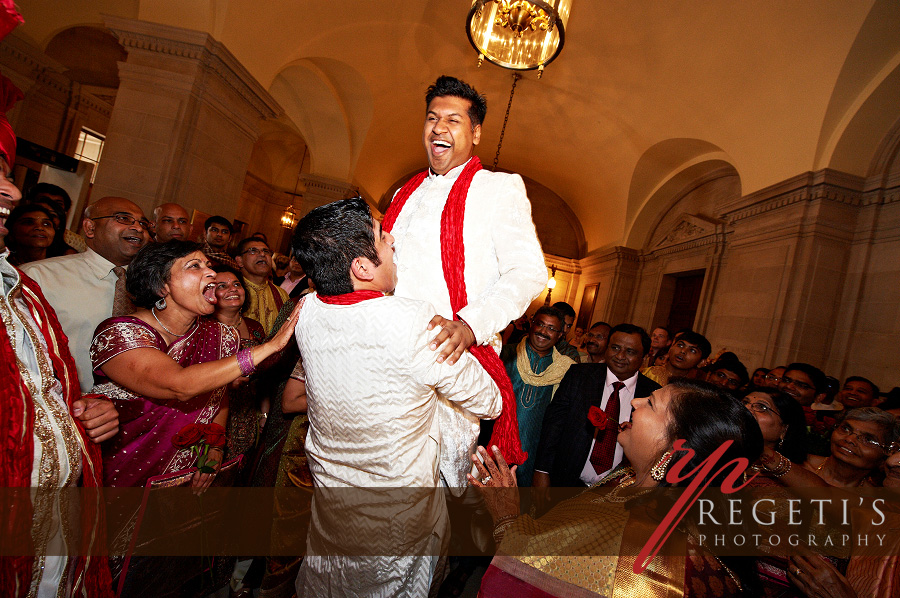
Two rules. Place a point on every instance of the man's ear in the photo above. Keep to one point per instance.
(239, 260)
(362, 269)
(476, 134)
(89, 227)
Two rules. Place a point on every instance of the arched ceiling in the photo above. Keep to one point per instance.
(771, 85)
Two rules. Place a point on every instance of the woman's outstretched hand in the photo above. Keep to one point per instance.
(497, 483)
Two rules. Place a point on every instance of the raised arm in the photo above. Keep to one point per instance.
(151, 373)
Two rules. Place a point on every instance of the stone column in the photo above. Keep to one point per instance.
(184, 123)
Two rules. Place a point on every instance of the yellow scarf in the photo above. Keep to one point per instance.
(549, 377)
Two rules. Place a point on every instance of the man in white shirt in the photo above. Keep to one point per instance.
(86, 288)
(372, 388)
(465, 243)
(572, 452)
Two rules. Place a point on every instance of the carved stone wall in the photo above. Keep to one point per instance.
(184, 122)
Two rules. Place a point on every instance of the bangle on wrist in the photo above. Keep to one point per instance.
(245, 362)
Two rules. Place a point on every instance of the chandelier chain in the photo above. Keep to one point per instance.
(516, 77)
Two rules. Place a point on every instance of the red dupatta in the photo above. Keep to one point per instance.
(453, 261)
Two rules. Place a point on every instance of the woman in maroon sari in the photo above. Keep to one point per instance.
(165, 366)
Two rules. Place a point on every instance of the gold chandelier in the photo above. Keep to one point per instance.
(521, 35)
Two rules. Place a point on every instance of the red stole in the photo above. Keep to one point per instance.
(453, 261)
(17, 454)
(349, 298)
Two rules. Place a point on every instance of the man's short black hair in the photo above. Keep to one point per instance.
(329, 238)
(596, 324)
(734, 366)
(217, 220)
(49, 189)
(875, 390)
(816, 375)
(697, 339)
(242, 246)
(632, 329)
(565, 308)
(451, 86)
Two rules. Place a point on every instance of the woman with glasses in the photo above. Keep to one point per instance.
(783, 427)
(860, 443)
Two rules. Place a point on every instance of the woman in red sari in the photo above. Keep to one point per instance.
(165, 366)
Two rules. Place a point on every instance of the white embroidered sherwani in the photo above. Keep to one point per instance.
(372, 389)
(57, 449)
(504, 272)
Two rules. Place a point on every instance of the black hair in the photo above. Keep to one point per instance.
(329, 238)
(151, 269)
(49, 189)
(565, 308)
(217, 220)
(875, 390)
(632, 329)
(795, 441)
(552, 311)
(595, 324)
(734, 366)
(724, 418)
(816, 375)
(451, 86)
(763, 370)
(892, 400)
(695, 338)
(668, 333)
(242, 246)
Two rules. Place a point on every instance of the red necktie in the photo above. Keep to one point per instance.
(605, 443)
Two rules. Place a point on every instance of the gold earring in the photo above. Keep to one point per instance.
(658, 472)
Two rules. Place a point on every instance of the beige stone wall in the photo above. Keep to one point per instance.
(807, 270)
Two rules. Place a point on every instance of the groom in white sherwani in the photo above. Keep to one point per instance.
(372, 390)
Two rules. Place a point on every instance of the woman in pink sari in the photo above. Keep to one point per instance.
(165, 367)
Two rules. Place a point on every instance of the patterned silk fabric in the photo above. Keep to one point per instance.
(372, 389)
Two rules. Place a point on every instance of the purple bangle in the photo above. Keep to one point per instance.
(245, 362)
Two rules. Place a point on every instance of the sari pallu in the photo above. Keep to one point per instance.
(586, 547)
(143, 447)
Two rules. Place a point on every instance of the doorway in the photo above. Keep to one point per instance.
(679, 298)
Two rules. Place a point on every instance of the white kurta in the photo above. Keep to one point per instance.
(372, 389)
(504, 272)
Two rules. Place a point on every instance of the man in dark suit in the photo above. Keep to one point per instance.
(572, 451)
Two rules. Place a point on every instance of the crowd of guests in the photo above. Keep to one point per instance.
(134, 356)
(798, 428)
(181, 310)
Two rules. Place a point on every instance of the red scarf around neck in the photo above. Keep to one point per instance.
(453, 261)
(349, 298)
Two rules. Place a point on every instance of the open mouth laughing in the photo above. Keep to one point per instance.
(209, 293)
